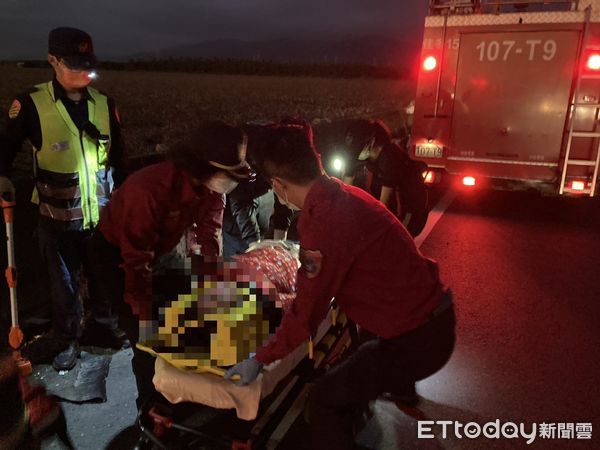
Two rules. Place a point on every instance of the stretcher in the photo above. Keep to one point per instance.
(195, 407)
(213, 413)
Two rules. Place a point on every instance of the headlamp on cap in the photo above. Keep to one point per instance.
(337, 164)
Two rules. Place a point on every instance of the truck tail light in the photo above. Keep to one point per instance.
(429, 176)
(593, 61)
(468, 181)
(578, 185)
(430, 63)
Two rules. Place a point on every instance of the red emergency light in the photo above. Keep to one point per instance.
(578, 185)
(430, 63)
(429, 176)
(468, 181)
(593, 61)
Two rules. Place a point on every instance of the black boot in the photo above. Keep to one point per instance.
(407, 396)
(66, 359)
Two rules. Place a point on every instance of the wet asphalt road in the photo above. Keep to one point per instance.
(525, 271)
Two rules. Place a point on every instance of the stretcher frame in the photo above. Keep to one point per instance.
(277, 413)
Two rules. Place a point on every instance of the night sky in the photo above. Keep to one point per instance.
(126, 27)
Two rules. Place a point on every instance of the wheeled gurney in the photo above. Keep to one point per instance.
(210, 412)
(203, 409)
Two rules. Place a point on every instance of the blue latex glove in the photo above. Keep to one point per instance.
(248, 370)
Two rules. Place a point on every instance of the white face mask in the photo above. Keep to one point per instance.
(285, 202)
(364, 154)
(221, 183)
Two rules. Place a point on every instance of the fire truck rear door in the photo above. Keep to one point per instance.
(512, 97)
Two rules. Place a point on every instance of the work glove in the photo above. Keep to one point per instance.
(248, 370)
(6, 186)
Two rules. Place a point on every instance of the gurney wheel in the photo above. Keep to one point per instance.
(143, 443)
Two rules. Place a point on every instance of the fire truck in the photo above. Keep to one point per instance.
(508, 95)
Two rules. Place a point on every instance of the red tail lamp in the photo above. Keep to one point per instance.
(468, 181)
(578, 185)
(429, 176)
(430, 63)
(593, 61)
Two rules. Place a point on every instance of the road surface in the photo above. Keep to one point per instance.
(525, 271)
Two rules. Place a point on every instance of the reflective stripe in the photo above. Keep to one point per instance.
(70, 157)
(64, 215)
(57, 179)
(66, 193)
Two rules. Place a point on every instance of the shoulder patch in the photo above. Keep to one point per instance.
(14, 110)
(311, 262)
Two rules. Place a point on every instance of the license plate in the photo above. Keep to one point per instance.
(429, 151)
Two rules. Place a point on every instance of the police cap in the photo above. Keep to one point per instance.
(73, 46)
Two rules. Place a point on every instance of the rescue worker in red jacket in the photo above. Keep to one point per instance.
(146, 219)
(353, 249)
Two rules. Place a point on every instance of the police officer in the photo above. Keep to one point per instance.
(353, 249)
(251, 208)
(75, 133)
(361, 152)
(247, 215)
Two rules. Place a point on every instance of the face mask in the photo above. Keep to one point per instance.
(221, 183)
(284, 201)
(364, 154)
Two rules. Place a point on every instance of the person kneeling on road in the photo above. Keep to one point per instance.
(378, 278)
(146, 218)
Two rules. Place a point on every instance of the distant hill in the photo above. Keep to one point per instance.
(372, 50)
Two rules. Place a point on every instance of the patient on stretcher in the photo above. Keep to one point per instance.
(227, 311)
(230, 310)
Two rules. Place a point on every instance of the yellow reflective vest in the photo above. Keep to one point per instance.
(72, 178)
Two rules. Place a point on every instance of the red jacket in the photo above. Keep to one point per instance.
(147, 216)
(354, 249)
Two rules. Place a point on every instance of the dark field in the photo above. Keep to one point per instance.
(157, 107)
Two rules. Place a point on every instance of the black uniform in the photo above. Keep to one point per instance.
(247, 213)
(61, 242)
(395, 169)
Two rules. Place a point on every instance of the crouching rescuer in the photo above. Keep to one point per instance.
(145, 220)
(353, 249)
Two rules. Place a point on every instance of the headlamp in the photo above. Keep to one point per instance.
(337, 164)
